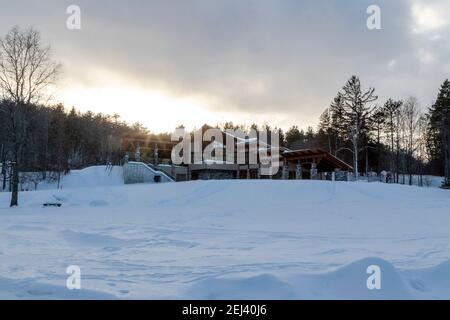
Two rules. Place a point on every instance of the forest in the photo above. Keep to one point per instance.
(396, 136)
(399, 136)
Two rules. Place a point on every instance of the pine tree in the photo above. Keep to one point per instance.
(439, 130)
(293, 136)
(357, 113)
(338, 123)
(325, 128)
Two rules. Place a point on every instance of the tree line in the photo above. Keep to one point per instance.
(51, 140)
(396, 136)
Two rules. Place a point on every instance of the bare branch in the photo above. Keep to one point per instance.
(26, 67)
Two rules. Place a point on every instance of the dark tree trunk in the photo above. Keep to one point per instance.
(447, 161)
(4, 175)
(15, 186)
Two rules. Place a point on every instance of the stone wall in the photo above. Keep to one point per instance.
(215, 175)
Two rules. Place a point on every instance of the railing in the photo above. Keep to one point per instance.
(139, 172)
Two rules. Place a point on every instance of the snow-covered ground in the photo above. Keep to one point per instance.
(98, 176)
(226, 239)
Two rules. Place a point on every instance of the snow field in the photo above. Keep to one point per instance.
(226, 239)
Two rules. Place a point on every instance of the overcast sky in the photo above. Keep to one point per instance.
(169, 62)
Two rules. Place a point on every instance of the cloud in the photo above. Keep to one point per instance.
(286, 58)
(430, 15)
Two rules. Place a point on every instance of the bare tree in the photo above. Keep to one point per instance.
(411, 117)
(422, 154)
(26, 72)
(391, 110)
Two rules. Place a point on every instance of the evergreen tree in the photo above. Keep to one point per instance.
(439, 132)
(357, 113)
(326, 129)
(293, 136)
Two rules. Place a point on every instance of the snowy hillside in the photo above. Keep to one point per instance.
(89, 177)
(226, 239)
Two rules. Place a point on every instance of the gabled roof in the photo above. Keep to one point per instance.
(313, 153)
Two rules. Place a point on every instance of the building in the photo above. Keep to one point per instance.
(314, 163)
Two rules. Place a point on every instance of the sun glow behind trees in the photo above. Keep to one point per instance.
(158, 110)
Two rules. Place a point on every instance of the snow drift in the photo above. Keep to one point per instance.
(96, 176)
(226, 239)
(348, 282)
